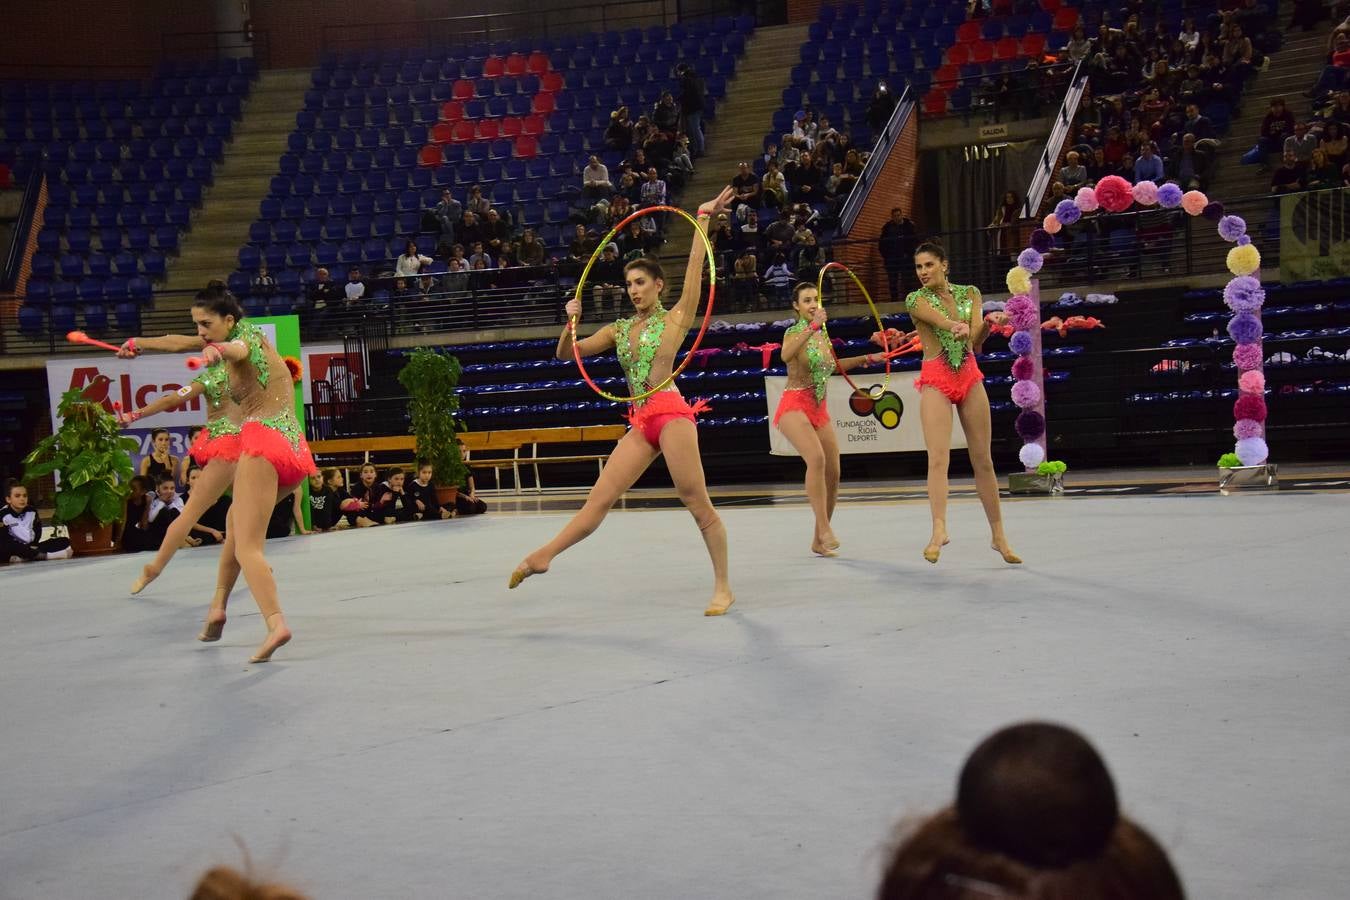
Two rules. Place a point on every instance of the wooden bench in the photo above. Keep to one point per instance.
(509, 440)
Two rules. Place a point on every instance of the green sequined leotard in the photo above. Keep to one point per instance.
(819, 360)
(638, 369)
(954, 349)
(214, 381)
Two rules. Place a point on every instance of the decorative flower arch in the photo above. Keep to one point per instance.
(1243, 295)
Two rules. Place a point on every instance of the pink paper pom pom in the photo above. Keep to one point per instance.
(1145, 193)
(1052, 224)
(1246, 428)
(1086, 199)
(1026, 394)
(1248, 406)
(1194, 202)
(1113, 193)
(1023, 368)
(1247, 357)
(1031, 455)
(1252, 382)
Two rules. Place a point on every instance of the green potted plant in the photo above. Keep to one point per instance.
(93, 458)
(430, 379)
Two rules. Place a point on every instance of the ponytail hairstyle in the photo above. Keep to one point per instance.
(219, 301)
(933, 246)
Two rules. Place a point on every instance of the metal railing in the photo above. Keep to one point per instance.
(200, 45)
(23, 226)
(996, 102)
(904, 108)
(1059, 133)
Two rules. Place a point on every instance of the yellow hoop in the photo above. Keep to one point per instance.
(874, 392)
(707, 316)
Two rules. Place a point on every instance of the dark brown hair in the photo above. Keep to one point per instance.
(801, 286)
(933, 247)
(223, 883)
(648, 265)
(221, 302)
(1036, 817)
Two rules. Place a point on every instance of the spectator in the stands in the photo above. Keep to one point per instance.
(1321, 173)
(681, 165)
(1197, 124)
(477, 204)
(778, 278)
(164, 507)
(1073, 173)
(693, 101)
(471, 231)
(1301, 143)
(804, 180)
(634, 240)
(457, 275)
(1238, 53)
(1189, 34)
(724, 240)
(1005, 223)
(496, 232)
(778, 236)
(410, 262)
(480, 258)
(1056, 194)
(1336, 75)
(838, 185)
(666, 115)
(809, 258)
(749, 232)
(773, 187)
(582, 245)
(1334, 143)
(530, 250)
(355, 288)
(619, 132)
(322, 292)
(264, 285)
(881, 106)
(745, 280)
(896, 246)
(608, 280)
(630, 188)
(448, 214)
(1079, 46)
(653, 190)
(746, 188)
(1149, 166)
(1189, 165)
(595, 179)
(1288, 178)
(1277, 125)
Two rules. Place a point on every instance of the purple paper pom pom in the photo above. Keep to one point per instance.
(1031, 259)
(1244, 294)
(1230, 227)
(1248, 406)
(1067, 212)
(1030, 425)
(1023, 313)
(1169, 196)
(1026, 394)
(1252, 451)
(1242, 429)
(1041, 241)
(1244, 241)
(1247, 357)
(1031, 455)
(1020, 343)
(1213, 211)
(1245, 328)
(1023, 368)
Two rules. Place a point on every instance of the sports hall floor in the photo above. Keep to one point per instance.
(592, 735)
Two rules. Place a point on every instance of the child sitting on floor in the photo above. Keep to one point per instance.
(21, 530)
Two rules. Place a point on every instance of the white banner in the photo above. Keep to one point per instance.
(318, 359)
(889, 424)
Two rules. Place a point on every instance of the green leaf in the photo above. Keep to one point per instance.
(80, 469)
(106, 504)
(70, 504)
(33, 471)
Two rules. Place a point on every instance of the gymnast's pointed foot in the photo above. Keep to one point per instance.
(721, 602)
(936, 543)
(148, 574)
(531, 565)
(1005, 551)
(820, 548)
(278, 635)
(214, 627)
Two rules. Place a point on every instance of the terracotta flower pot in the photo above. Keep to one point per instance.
(88, 538)
(445, 496)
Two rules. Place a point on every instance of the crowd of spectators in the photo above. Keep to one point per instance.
(1311, 153)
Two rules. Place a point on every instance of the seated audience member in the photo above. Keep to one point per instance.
(746, 187)
(1301, 143)
(287, 513)
(203, 532)
(530, 251)
(395, 505)
(323, 503)
(410, 263)
(355, 289)
(160, 512)
(778, 278)
(1334, 143)
(264, 285)
(363, 496)
(333, 481)
(322, 292)
(1073, 173)
(466, 501)
(134, 538)
(1321, 173)
(21, 530)
(608, 278)
(1189, 165)
(1036, 817)
(745, 281)
(422, 490)
(1149, 166)
(222, 883)
(1288, 178)
(187, 463)
(773, 187)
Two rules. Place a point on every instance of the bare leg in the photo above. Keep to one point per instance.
(227, 573)
(631, 457)
(974, 413)
(797, 429)
(255, 489)
(935, 412)
(830, 444)
(213, 481)
(679, 442)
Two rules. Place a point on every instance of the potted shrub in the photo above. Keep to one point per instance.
(93, 458)
(430, 379)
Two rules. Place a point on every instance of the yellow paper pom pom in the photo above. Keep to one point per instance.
(1019, 279)
(1244, 260)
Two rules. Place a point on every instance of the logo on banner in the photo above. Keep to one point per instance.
(886, 409)
(100, 388)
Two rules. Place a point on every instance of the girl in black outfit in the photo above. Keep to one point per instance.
(160, 462)
(134, 538)
(395, 504)
(323, 501)
(422, 490)
(21, 530)
(366, 493)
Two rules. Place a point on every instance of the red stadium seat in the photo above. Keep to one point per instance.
(946, 76)
(1006, 48)
(968, 32)
(443, 133)
(1051, 6)
(935, 102)
(464, 131)
(452, 111)
(463, 90)
(538, 63)
(429, 156)
(526, 147)
(543, 104)
(551, 83)
(982, 53)
(533, 125)
(493, 67)
(511, 127)
(1033, 46)
(958, 54)
(1066, 19)
(488, 130)
(515, 65)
